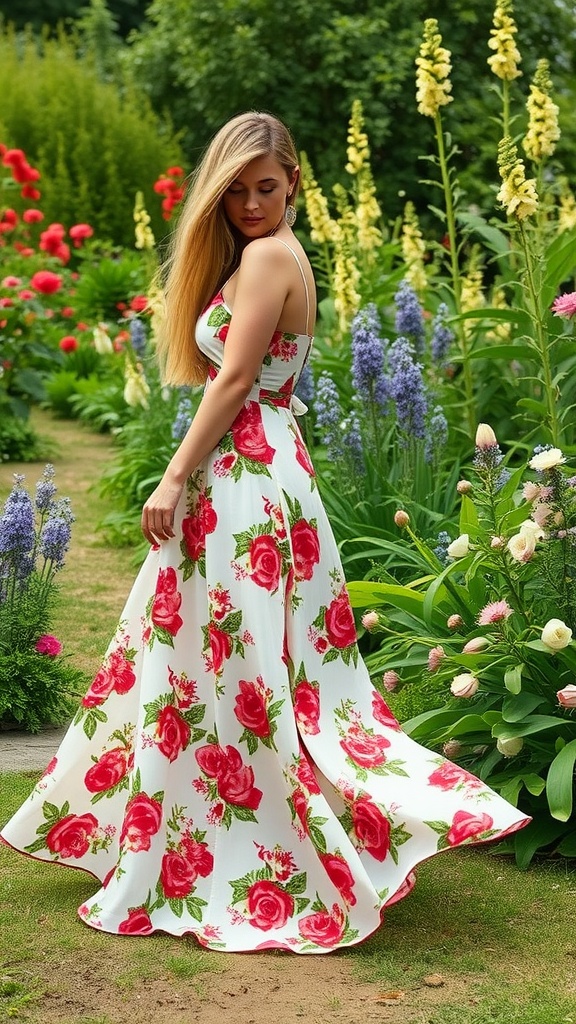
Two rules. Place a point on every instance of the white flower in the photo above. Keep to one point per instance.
(522, 546)
(510, 747)
(556, 635)
(464, 685)
(485, 436)
(102, 340)
(547, 459)
(459, 547)
(476, 644)
(529, 527)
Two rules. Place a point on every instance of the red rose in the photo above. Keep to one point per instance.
(268, 905)
(137, 923)
(371, 827)
(122, 671)
(306, 775)
(300, 803)
(265, 562)
(306, 549)
(211, 760)
(307, 707)
(248, 435)
(448, 776)
(303, 458)
(207, 513)
(108, 770)
(101, 688)
(70, 837)
(340, 621)
(339, 873)
(142, 820)
(465, 826)
(323, 928)
(199, 856)
(46, 282)
(250, 709)
(194, 536)
(167, 601)
(237, 787)
(382, 712)
(172, 732)
(364, 749)
(220, 647)
(177, 875)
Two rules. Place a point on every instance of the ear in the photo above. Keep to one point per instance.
(294, 178)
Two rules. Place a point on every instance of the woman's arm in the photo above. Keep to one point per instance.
(262, 287)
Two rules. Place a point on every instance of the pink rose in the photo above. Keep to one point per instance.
(250, 709)
(268, 905)
(306, 776)
(365, 749)
(212, 760)
(49, 645)
(303, 458)
(323, 928)
(265, 562)
(177, 875)
(142, 820)
(307, 707)
(340, 621)
(237, 787)
(220, 647)
(382, 712)
(371, 827)
(339, 873)
(300, 804)
(122, 671)
(172, 732)
(100, 688)
(110, 768)
(306, 549)
(194, 536)
(70, 837)
(199, 856)
(248, 435)
(567, 696)
(465, 826)
(167, 601)
(447, 776)
(137, 923)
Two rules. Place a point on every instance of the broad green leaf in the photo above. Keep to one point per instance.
(560, 782)
(532, 838)
(513, 678)
(533, 724)
(517, 707)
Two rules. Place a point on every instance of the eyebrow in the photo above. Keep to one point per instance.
(261, 181)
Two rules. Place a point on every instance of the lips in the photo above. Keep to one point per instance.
(250, 221)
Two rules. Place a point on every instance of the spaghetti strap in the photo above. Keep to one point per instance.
(301, 269)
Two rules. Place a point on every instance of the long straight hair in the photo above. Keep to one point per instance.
(204, 250)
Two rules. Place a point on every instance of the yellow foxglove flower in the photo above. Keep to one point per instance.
(433, 86)
(567, 208)
(322, 228)
(472, 294)
(517, 193)
(506, 56)
(501, 330)
(413, 249)
(358, 149)
(136, 389)
(142, 230)
(543, 131)
(367, 212)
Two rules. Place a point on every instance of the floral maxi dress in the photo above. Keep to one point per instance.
(231, 772)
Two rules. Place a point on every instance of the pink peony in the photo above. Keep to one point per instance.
(48, 644)
(497, 611)
(565, 306)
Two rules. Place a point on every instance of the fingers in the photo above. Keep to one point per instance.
(157, 525)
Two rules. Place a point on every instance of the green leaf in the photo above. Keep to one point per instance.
(560, 782)
(436, 591)
(513, 678)
(535, 784)
(532, 838)
(517, 707)
(468, 515)
(364, 593)
(533, 724)
(232, 623)
(297, 884)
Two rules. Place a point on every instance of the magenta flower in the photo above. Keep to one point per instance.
(494, 612)
(565, 306)
(48, 644)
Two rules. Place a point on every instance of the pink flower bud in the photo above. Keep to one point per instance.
(464, 685)
(401, 518)
(435, 656)
(531, 491)
(463, 487)
(485, 436)
(497, 542)
(390, 680)
(476, 644)
(370, 620)
(452, 748)
(567, 696)
(454, 621)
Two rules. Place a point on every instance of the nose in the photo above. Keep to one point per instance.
(251, 201)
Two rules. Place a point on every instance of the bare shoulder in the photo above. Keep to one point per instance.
(262, 252)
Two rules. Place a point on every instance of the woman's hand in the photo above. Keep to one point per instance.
(158, 513)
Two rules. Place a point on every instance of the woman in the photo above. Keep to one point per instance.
(231, 772)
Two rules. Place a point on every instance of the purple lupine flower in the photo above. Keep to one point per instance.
(183, 417)
(55, 540)
(436, 435)
(45, 489)
(368, 317)
(503, 478)
(442, 336)
(304, 389)
(138, 337)
(352, 443)
(409, 317)
(406, 385)
(17, 533)
(329, 415)
(368, 358)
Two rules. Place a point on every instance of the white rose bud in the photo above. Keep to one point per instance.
(548, 459)
(567, 696)
(556, 635)
(530, 527)
(459, 547)
(496, 543)
(485, 436)
(476, 644)
(510, 747)
(464, 685)
(522, 546)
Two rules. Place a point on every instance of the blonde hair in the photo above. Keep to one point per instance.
(203, 250)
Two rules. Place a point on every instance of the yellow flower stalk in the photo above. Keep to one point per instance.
(413, 250)
(506, 57)
(344, 283)
(322, 228)
(517, 193)
(472, 294)
(142, 230)
(502, 329)
(433, 86)
(543, 131)
(367, 209)
(136, 389)
(155, 306)
(566, 208)
(358, 148)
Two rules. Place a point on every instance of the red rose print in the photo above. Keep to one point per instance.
(194, 536)
(364, 749)
(237, 787)
(177, 875)
(465, 826)
(303, 458)
(371, 827)
(110, 768)
(248, 435)
(323, 928)
(340, 621)
(307, 707)
(122, 671)
(448, 776)
(199, 856)
(167, 601)
(222, 332)
(172, 732)
(250, 709)
(300, 802)
(100, 688)
(50, 767)
(382, 712)
(207, 513)
(339, 873)
(306, 775)
(211, 760)
(142, 820)
(220, 647)
(306, 549)
(268, 905)
(70, 837)
(265, 562)
(137, 923)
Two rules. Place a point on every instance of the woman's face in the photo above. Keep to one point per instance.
(255, 201)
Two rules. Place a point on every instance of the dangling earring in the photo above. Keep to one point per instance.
(290, 213)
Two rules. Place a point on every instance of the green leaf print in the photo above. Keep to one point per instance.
(218, 317)
(194, 906)
(231, 624)
(164, 637)
(242, 813)
(296, 885)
